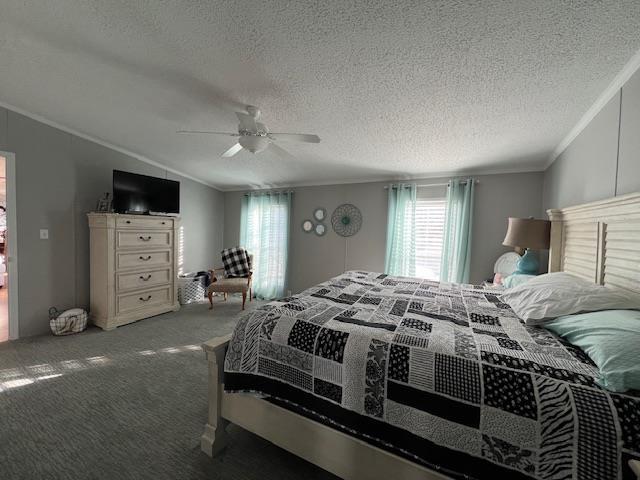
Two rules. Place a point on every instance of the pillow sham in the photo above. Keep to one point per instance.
(553, 295)
(611, 339)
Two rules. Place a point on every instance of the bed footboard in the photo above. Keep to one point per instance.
(215, 437)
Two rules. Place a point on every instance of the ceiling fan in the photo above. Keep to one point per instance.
(255, 137)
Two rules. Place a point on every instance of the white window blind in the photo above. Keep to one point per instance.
(429, 233)
(266, 239)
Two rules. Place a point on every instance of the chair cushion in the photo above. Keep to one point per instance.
(229, 285)
(236, 262)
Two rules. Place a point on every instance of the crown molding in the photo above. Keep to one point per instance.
(612, 89)
(104, 143)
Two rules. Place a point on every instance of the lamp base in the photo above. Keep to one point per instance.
(528, 264)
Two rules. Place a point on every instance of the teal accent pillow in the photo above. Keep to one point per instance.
(611, 338)
(516, 279)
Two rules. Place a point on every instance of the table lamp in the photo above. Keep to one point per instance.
(531, 234)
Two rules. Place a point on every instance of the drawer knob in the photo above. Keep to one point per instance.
(164, 223)
(145, 299)
(128, 221)
(145, 239)
(144, 279)
(148, 257)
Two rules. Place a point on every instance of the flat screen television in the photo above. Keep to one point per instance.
(141, 194)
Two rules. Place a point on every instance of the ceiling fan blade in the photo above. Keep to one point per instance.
(295, 137)
(206, 132)
(281, 152)
(232, 151)
(247, 122)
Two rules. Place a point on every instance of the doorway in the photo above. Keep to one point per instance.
(8, 250)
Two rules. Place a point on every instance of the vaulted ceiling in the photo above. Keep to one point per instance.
(393, 88)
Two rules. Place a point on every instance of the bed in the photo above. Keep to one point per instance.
(370, 376)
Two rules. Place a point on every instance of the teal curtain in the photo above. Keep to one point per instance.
(400, 258)
(264, 232)
(456, 248)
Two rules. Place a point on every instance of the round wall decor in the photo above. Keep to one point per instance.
(319, 214)
(307, 226)
(320, 229)
(346, 220)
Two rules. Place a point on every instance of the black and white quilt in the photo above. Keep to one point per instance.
(443, 374)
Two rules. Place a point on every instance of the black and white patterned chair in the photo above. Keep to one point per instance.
(236, 275)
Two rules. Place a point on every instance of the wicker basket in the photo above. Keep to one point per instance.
(191, 288)
(67, 322)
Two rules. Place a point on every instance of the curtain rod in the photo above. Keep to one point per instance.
(463, 182)
(270, 192)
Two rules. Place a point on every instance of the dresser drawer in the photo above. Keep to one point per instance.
(142, 260)
(143, 239)
(140, 300)
(143, 222)
(143, 279)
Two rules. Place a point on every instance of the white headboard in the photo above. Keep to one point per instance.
(599, 241)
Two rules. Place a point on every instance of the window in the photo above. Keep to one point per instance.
(265, 235)
(429, 233)
(415, 230)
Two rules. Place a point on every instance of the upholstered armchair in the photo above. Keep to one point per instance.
(224, 285)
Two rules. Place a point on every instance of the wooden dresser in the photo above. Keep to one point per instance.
(133, 267)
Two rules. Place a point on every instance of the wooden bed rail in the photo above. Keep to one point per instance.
(215, 437)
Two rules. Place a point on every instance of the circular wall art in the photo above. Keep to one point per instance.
(346, 220)
(320, 229)
(319, 214)
(307, 226)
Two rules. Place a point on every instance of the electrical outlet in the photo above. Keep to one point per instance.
(44, 234)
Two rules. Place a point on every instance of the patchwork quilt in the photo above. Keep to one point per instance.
(443, 374)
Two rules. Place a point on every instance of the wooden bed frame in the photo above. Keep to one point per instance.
(599, 241)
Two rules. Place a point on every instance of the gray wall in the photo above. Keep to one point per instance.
(59, 178)
(604, 160)
(314, 259)
(629, 153)
(4, 121)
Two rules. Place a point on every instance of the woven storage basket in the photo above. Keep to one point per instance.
(67, 322)
(191, 288)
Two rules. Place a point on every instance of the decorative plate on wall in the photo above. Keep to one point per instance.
(346, 220)
(320, 229)
(319, 214)
(307, 226)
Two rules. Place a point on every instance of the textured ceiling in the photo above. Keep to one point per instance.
(393, 88)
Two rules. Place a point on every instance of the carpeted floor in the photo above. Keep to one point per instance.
(126, 404)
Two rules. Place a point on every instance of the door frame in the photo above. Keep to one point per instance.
(12, 242)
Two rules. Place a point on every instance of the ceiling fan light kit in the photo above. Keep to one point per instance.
(255, 144)
(255, 137)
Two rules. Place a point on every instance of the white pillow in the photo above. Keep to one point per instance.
(557, 294)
